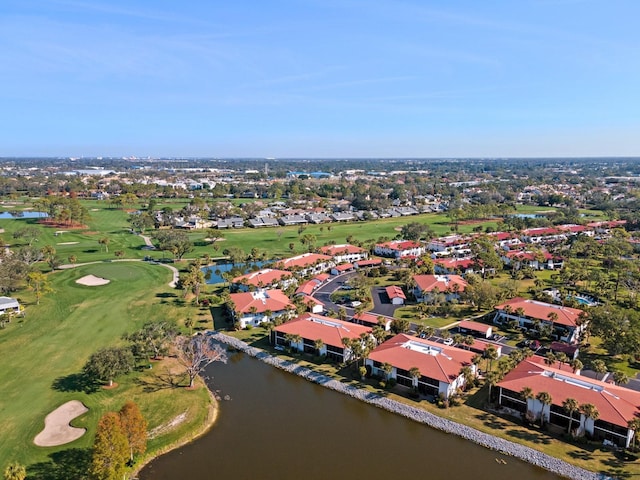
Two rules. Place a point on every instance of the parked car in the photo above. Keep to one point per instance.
(448, 341)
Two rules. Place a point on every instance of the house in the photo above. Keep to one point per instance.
(427, 286)
(616, 405)
(369, 319)
(10, 306)
(540, 260)
(313, 304)
(307, 263)
(303, 332)
(567, 323)
(254, 308)
(344, 253)
(399, 249)
(259, 222)
(395, 294)
(287, 220)
(307, 288)
(463, 265)
(543, 235)
(477, 329)
(439, 366)
(265, 278)
(374, 262)
(571, 351)
(449, 244)
(343, 268)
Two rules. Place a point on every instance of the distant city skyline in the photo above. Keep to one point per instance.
(319, 78)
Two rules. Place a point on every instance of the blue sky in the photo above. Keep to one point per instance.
(320, 78)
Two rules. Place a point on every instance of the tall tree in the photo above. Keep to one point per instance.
(590, 411)
(196, 353)
(135, 428)
(110, 449)
(104, 241)
(571, 406)
(108, 363)
(545, 399)
(39, 283)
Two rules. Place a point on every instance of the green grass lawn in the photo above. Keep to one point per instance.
(42, 352)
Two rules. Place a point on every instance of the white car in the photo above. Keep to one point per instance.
(355, 303)
(448, 341)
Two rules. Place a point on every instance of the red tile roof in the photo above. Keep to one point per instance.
(444, 283)
(454, 263)
(307, 288)
(540, 310)
(616, 404)
(304, 260)
(322, 277)
(334, 250)
(434, 360)
(344, 267)
(331, 330)
(540, 231)
(369, 263)
(263, 277)
(399, 245)
(395, 292)
(274, 300)
(572, 228)
(475, 326)
(367, 318)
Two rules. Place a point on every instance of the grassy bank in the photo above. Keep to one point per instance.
(43, 353)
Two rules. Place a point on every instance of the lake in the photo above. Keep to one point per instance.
(19, 215)
(225, 267)
(277, 425)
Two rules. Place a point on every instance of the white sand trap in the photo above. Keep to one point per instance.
(57, 430)
(92, 281)
(67, 243)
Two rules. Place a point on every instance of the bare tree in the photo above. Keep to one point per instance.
(196, 353)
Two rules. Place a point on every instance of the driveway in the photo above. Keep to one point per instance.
(381, 303)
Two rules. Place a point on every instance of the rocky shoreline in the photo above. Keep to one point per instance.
(506, 447)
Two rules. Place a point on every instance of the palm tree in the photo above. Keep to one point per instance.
(527, 394)
(546, 400)
(599, 367)
(415, 374)
(620, 377)
(571, 406)
(561, 358)
(468, 341)
(492, 379)
(467, 373)
(549, 358)
(589, 410)
(387, 368)
(490, 354)
(318, 344)
(634, 424)
(576, 365)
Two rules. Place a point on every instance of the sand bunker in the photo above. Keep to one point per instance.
(67, 243)
(92, 281)
(57, 430)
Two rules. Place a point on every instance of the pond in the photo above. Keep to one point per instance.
(277, 425)
(20, 214)
(216, 271)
